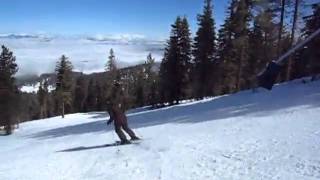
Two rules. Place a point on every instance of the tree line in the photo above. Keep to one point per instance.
(253, 34)
(213, 62)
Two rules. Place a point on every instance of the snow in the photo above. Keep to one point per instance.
(30, 88)
(263, 135)
(33, 88)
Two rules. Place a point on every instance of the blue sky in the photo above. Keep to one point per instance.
(73, 17)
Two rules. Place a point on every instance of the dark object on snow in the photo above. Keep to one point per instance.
(267, 78)
(120, 122)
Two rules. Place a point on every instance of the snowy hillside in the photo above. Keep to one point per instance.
(264, 135)
(34, 88)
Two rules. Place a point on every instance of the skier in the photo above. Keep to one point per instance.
(120, 122)
(117, 114)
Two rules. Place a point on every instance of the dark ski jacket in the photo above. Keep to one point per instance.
(117, 115)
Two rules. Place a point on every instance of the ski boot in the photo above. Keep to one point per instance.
(122, 142)
(135, 138)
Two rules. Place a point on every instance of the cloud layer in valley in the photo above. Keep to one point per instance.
(37, 54)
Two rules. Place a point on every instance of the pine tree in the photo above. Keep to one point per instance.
(168, 65)
(115, 88)
(154, 93)
(163, 79)
(312, 53)
(148, 68)
(80, 95)
(139, 91)
(226, 52)
(112, 74)
(184, 61)
(281, 26)
(175, 66)
(111, 64)
(204, 53)
(233, 48)
(151, 81)
(256, 45)
(64, 85)
(241, 44)
(262, 39)
(100, 97)
(143, 77)
(292, 37)
(8, 90)
(91, 99)
(280, 8)
(296, 68)
(43, 95)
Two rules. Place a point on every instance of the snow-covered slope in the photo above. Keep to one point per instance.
(34, 88)
(264, 135)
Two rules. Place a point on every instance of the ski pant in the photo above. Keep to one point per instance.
(125, 127)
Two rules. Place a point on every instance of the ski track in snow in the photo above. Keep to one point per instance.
(265, 135)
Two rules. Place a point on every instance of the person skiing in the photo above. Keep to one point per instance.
(118, 116)
(120, 122)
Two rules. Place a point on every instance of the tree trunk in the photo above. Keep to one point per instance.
(294, 24)
(62, 109)
(283, 3)
(41, 112)
(8, 126)
(45, 114)
(239, 73)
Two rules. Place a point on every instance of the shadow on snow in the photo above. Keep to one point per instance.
(84, 148)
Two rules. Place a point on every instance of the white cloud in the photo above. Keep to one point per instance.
(38, 54)
(121, 38)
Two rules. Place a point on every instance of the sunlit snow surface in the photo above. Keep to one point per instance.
(263, 135)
